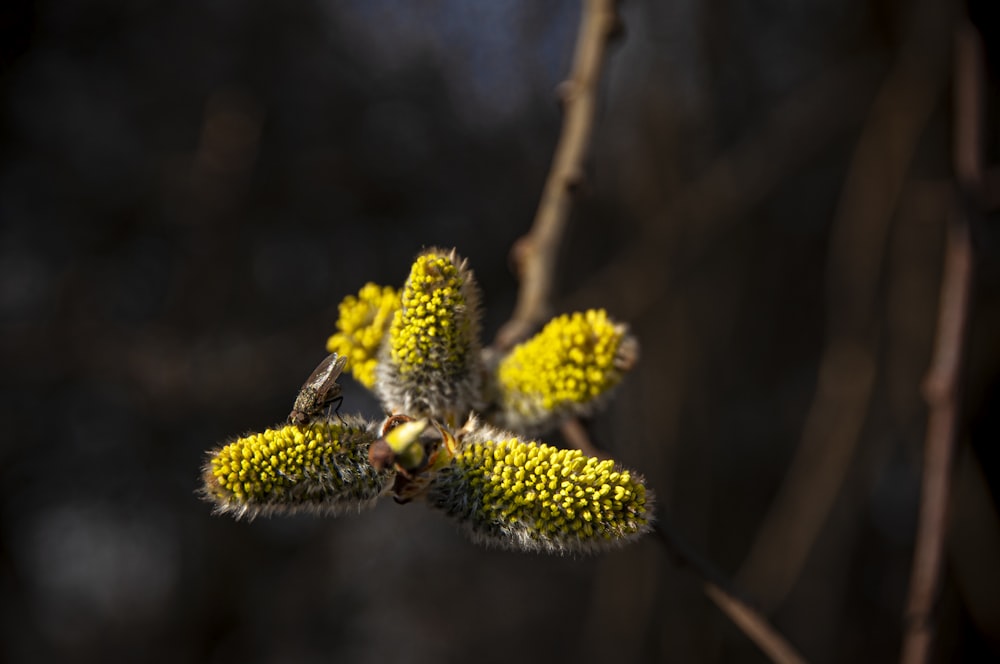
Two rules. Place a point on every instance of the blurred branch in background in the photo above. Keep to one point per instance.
(847, 372)
(942, 387)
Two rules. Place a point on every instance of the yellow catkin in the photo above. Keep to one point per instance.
(321, 467)
(431, 363)
(535, 497)
(573, 362)
(361, 328)
(426, 331)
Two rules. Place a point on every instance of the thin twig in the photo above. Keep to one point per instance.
(942, 385)
(941, 393)
(716, 588)
(577, 438)
(536, 253)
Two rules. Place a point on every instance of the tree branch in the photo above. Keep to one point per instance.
(716, 588)
(942, 385)
(535, 254)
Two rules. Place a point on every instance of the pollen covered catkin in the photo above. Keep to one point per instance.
(568, 369)
(361, 327)
(430, 364)
(535, 497)
(321, 467)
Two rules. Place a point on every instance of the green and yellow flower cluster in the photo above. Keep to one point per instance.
(419, 351)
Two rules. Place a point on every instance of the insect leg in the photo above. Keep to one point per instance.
(336, 410)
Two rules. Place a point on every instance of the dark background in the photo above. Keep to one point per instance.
(188, 189)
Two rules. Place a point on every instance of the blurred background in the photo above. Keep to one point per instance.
(188, 189)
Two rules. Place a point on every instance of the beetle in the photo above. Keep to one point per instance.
(319, 391)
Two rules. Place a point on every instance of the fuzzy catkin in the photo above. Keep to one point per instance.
(566, 370)
(430, 364)
(361, 327)
(321, 467)
(535, 497)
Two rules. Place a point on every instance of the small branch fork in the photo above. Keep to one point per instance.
(535, 255)
(942, 385)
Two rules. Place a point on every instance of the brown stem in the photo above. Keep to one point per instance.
(536, 252)
(941, 387)
(716, 588)
(941, 390)
(576, 437)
